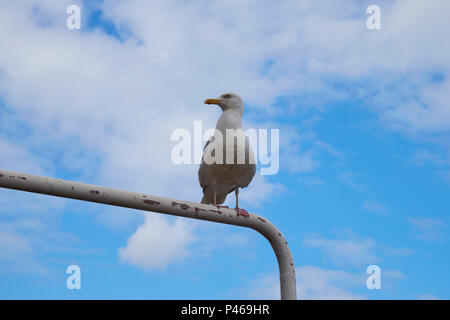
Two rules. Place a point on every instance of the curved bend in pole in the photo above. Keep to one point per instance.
(140, 201)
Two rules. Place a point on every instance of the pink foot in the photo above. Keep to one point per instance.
(242, 212)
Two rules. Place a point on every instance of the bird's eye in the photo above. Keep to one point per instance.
(227, 96)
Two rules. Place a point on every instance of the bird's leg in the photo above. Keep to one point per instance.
(240, 212)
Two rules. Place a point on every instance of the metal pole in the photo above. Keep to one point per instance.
(140, 201)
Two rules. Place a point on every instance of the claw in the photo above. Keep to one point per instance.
(242, 212)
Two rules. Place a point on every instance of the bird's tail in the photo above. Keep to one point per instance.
(204, 201)
(220, 199)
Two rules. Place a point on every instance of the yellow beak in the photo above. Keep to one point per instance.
(212, 101)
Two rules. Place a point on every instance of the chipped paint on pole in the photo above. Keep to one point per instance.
(140, 201)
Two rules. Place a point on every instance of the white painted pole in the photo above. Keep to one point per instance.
(140, 201)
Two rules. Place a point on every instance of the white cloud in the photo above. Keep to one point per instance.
(16, 158)
(17, 254)
(311, 181)
(313, 283)
(429, 229)
(429, 115)
(421, 157)
(317, 283)
(304, 162)
(157, 243)
(29, 223)
(351, 179)
(302, 152)
(439, 158)
(259, 191)
(375, 207)
(24, 238)
(347, 249)
(346, 252)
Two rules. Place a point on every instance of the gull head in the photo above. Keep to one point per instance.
(228, 101)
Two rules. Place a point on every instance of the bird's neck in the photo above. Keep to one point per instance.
(230, 119)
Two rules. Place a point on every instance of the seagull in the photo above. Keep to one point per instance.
(228, 162)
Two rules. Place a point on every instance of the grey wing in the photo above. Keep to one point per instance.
(202, 170)
(203, 176)
(250, 169)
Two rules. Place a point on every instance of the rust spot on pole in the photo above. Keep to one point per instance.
(242, 212)
(1, 176)
(183, 206)
(94, 192)
(259, 218)
(152, 202)
(22, 178)
(199, 209)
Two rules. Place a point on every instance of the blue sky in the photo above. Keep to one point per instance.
(364, 120)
